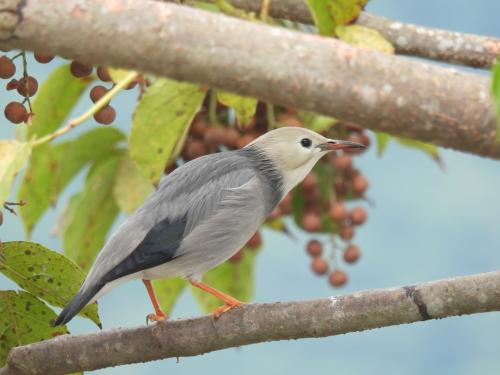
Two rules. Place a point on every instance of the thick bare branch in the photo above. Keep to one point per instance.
(260, 323)
(379, 91)
(436, 44)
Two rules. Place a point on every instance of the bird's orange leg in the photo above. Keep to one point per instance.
(229, 302)
(159, 315)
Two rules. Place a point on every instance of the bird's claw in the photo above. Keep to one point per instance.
(158, 317)
(224, 308)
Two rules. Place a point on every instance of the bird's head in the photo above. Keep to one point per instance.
(296, 150)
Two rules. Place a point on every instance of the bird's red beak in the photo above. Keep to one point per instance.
(334, 144)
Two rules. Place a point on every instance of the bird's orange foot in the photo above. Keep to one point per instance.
(158, 317)
(225, 308)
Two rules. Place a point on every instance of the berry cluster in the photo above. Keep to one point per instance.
(107, 114)
(327, 211)
(314, 210)
(26, 86)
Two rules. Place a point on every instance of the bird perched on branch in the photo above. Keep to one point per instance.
(201, 214)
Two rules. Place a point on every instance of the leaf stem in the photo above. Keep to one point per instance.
(25, 75)
(90, 112)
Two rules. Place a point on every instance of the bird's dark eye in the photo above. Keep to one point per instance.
(306, 142)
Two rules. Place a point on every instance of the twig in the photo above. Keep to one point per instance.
(90, 112)
(256, 323)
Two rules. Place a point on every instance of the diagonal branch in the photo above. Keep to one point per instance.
(379, 91)
(436, 44)
(260, 323)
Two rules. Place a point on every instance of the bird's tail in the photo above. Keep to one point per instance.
(78, 302)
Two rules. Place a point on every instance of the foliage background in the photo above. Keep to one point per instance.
(426, 224)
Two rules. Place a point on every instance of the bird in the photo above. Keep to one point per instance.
(201, 214)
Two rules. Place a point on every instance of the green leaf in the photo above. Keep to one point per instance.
(45, 274)
(90, 214)
(233, 278)
(495, 90)
(161, 121)
(427, 148)
(243, 105)
(24, 319)
(52, 167)
(328, 14)
(364, 37)
(382, 142)
(168, 291)
(322, 16)
(13, 157)
(316, 122)
(130, 186)
(55, 99)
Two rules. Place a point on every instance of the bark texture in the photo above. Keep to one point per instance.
(379, 91)
(437, 44)
(255, 323)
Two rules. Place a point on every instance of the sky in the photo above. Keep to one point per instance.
(425, 224)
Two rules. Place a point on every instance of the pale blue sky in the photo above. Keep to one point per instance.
(426, 224)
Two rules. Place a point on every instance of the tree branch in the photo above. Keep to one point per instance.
(436, 44)
(304, 71)
(256, 323)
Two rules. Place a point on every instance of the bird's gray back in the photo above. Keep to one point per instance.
(203, 208)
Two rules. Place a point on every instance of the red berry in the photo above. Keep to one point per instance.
(43, 59)
(351, 173)
(27, 86)
(194, 148)
(214, 136)
(12, 85)
(103, 73)
(97, 93)
(255, 241)
(346, 232)
(309, 182)
(337, 278)
(198, 127)
(231, 137)
(338, 212)
(319, 266)
(340, 188)
(79, 69)
(358, 215)
(359, 184)
(311, 222)
(289, 119)
(342, 162)
(15, 112)
(352, 254)
(286, 204)
(7, 67)
(237, 257)
(245, 139)
(105, 115)
(314, 248)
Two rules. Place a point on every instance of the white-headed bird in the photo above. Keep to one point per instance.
(201, 214)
